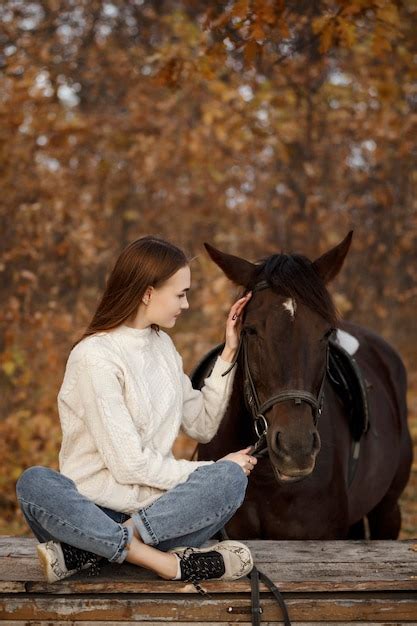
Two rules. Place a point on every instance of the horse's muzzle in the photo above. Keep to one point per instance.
(293, 477)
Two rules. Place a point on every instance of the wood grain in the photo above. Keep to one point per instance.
(330, 582)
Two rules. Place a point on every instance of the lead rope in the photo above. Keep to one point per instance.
(254, 575)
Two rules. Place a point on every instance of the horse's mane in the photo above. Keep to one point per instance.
(294, 276)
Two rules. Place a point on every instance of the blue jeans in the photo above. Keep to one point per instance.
(187, 515)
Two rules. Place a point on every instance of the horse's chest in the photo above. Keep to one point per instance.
(272, 512)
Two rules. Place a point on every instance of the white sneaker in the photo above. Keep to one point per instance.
(55, 566)
(225, 560)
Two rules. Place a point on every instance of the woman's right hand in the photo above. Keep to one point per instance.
(242, 458)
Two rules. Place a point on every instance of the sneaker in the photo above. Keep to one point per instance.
(226, 560)
(60, 560)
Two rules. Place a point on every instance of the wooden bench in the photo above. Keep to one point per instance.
(328, 582)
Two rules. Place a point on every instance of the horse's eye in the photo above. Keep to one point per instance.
(250, 330)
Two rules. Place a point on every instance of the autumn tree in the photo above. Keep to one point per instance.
(255, 125)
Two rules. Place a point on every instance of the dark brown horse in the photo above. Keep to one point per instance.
(300, 489)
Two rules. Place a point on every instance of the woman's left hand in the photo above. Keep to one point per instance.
(233, 324)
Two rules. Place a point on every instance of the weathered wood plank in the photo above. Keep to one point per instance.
(328, 569)
(287, 551)
(324, 577)
(311, 608)
(163, 621)
(109, 585)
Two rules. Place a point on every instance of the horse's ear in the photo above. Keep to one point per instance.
(330, 263)
(236, 269)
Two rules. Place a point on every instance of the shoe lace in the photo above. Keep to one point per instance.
(94, 569)
(75, 558)
(206, 564)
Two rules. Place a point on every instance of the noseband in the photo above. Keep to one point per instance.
(257, 409)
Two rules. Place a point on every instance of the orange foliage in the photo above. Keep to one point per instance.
(255, 125)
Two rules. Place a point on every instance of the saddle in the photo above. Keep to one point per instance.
(343, 373)
(204, 367)
(351, 386)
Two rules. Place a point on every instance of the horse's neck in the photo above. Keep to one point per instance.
(237, 425)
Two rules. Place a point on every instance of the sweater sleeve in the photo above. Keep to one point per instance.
(204, 409)
(100, 391)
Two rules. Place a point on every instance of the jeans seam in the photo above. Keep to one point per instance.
(124, 545)
(66, 523)
(148, 527)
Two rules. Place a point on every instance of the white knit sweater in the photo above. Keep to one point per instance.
(122, 402)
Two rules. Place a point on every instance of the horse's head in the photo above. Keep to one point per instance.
(285, 332)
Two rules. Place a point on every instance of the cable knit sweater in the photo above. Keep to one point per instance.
(122, 402)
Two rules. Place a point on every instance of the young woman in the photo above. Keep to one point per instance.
(120, 493)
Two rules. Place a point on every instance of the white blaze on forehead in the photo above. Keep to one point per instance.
(291, 306)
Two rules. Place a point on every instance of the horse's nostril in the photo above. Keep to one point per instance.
(278, 440)
(316, 441)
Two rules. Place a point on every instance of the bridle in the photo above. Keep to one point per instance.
(260, 448)
(253, 404)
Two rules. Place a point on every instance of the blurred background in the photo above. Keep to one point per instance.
(257, 126)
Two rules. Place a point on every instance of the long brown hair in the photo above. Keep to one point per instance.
(149, 260)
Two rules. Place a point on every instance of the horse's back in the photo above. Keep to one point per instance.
(204, 367)
(386, 452)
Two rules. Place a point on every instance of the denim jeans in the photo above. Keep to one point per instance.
(186, 515)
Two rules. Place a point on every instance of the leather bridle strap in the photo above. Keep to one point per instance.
(257, 409)
(297, 395)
